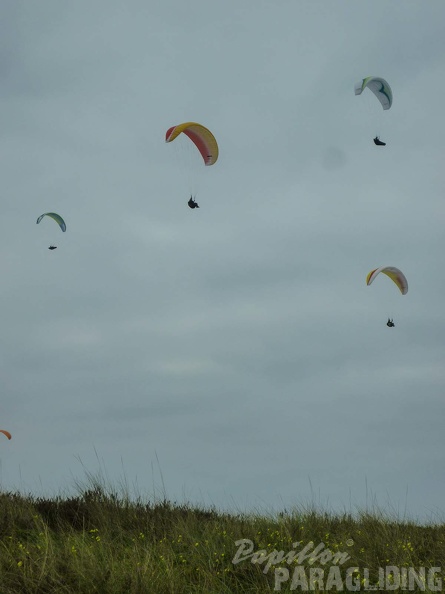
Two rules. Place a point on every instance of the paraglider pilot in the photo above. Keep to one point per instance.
(378, 142)
(192, 203)
(390, 323)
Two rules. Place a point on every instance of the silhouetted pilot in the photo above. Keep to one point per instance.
(192, 203)
(378, 142)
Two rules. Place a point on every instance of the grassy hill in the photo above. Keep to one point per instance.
(101, 541)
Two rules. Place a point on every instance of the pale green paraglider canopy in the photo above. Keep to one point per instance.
(379, 87)
(54, 216)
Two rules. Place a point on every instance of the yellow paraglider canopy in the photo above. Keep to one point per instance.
(200, 136)
(393, 273)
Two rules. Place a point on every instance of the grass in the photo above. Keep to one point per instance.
(102, 541)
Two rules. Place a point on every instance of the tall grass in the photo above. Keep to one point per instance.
(102, 541)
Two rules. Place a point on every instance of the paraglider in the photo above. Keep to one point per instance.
(58, 220)
(192, 203)
(381, 90)
(396, 276)
(203, 139)
(54, 216)
(393, 273)
(8, 435)
(207, 146)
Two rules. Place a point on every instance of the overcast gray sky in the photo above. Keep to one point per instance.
(239, 342)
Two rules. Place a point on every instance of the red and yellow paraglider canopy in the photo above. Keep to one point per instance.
(200, 136)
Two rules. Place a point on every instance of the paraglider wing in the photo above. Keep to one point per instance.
(54, 216)
(394, 274)
(379, 87)
(8, 435)
(200, 136)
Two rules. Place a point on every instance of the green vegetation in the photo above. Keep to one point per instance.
(101, 541)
